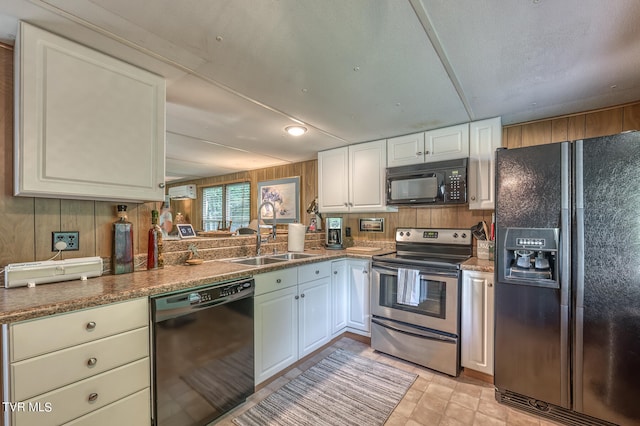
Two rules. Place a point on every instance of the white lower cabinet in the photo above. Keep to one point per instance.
(98, 358)
(477, 321)
(339, 296)
(275, 331)
(293, 321)
(358, 299)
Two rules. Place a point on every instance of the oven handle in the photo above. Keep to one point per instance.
(393, 270)
(412, 331)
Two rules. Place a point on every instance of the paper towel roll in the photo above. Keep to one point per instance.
(296, 237)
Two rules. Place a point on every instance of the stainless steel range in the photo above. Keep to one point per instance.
(415, 297)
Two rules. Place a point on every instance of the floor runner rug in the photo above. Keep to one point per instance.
(342, 389)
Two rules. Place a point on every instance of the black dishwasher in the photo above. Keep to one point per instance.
(203, 352)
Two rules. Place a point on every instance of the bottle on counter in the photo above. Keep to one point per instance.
(154, 247)
(122, 255)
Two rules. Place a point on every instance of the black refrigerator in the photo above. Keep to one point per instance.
(567, 295)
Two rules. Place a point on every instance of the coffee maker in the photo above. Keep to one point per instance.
(333, 227)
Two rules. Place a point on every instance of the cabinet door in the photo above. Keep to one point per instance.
(89, 126)
(314, 315)
(367, 166)
(484, 138)
(333, 180)
(447, 144)
(276, 332)
(477, 321)
(359, 314)
(405, 150)
(339, 293)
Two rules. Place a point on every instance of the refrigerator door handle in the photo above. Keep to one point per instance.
(565, 273)
(578, 279)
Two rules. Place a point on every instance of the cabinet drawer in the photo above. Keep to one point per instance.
(34, 337)
(275, 280)
(41, 374)
(132, 410)
(78, 399)
(313, 271)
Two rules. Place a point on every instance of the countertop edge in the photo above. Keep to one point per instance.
(476, 264)
(23, 303)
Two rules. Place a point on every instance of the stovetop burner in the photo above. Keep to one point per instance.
(429, 247)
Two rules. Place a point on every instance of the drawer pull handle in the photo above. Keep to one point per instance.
(92, 361)
(93, 397)
(278, 280)
(91, 325)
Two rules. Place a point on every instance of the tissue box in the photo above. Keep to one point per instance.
(485, 249)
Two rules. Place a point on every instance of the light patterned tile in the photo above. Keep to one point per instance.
(484, 420)
(433, 403)
(423, 416)
(458, 412)
(438, 390)
(493, 409)
(518, 418)
(405, 408)
(465, 400)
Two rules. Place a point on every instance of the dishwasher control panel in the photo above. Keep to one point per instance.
(219, 292)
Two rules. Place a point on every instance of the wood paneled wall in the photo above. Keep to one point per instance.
(604, 122)
(26, 223)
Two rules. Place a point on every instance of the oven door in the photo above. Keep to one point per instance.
(434, 303)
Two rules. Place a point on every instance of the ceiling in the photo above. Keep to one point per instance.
(239, 71)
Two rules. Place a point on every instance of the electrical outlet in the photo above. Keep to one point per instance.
(71, 239)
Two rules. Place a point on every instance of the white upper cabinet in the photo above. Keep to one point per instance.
(88, 126)
(352, 179)
(435, 145)
(485, 138)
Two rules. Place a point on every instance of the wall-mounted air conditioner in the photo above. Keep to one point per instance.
(184, 191)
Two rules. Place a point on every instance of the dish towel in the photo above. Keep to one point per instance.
(408, 287)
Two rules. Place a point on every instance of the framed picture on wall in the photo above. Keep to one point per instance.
(284, 194)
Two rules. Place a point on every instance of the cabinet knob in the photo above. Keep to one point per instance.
(278, 280)
(473, 198)
(419, 153)
(92, 361)
(317, 272)
(335, 272)
(91, 325)
(302, 295)
(490, 284)
(161, 185)
(296, 297)
(93, 397)
(426, 153)
(346, 204)
(350, 204)
(365, 271)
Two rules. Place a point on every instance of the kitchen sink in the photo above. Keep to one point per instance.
(257, 261)
(293, 256)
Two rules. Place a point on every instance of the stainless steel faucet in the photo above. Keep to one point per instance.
(259, 239)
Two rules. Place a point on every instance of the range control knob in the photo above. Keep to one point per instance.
(455, 235)
(401, 233)
(464, 235)
(408, 234)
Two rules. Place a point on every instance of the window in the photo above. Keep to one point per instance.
(226, 204)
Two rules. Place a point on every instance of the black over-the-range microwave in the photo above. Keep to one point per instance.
(442, 182)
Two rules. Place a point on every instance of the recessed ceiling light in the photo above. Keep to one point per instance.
(296, 130)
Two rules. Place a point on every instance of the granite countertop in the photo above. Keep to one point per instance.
(475, 264)
(22, 303)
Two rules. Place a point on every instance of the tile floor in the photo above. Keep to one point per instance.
(433, 399)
